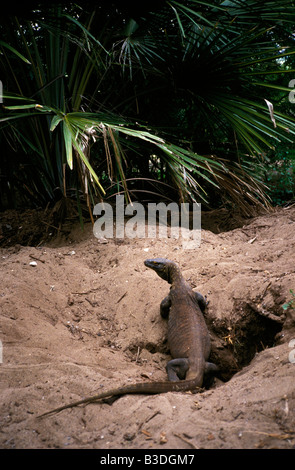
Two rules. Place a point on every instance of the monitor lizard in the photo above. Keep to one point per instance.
(188, 340)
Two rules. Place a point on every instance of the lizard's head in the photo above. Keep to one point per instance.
(161, 266)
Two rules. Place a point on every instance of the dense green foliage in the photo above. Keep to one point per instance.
(165, 101)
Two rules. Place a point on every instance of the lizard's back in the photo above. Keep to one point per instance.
(188, 335)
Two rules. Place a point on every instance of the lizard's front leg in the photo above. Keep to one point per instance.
(165, 307)
(202, 302)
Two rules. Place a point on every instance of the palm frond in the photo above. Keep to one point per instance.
(195, 63)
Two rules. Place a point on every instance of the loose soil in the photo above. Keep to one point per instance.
(85, 318)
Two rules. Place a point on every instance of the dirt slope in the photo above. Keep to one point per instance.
(87, 316)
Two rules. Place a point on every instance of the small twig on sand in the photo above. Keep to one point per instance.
(185, 440)
(37, 259)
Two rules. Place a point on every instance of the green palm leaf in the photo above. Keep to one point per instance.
(191, 80)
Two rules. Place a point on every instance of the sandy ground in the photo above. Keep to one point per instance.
(86, 318)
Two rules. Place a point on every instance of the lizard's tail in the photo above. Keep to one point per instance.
(140, 388)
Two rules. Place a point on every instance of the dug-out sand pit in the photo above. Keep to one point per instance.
(86, 317)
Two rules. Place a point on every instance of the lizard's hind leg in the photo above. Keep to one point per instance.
(210, 372)
(177, 369)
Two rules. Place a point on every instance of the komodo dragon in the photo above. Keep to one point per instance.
(188, 340)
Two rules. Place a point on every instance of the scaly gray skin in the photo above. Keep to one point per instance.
(188, 339)
(188, 336)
